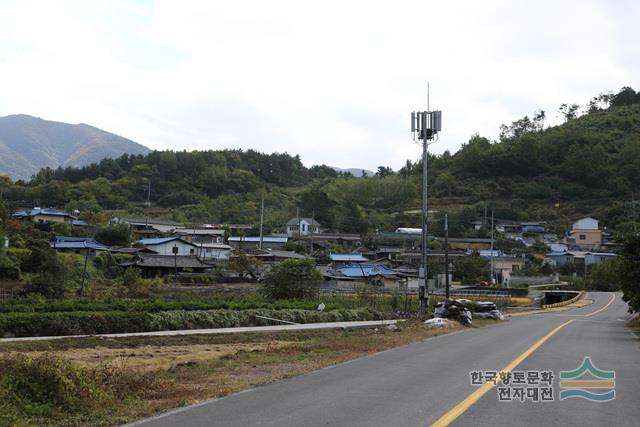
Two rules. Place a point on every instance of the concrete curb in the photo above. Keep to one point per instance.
(300, 327)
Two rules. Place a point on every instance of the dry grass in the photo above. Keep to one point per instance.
(191, 369)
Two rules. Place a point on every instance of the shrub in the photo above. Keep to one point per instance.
(88, 323)
(293, 278)
(48, 388)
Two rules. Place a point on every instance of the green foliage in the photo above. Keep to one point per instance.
(49, 273)
(472, 269)
(245, 265)
(293, 278)
(43, 388)
(10, 260)
(115, 235)
(629, 271)
(556, 174)
(106, 322)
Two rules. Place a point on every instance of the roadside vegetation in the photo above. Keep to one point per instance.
(109, 382)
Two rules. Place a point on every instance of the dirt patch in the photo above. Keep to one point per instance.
(154, 357)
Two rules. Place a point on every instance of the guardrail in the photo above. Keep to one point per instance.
(563, 303)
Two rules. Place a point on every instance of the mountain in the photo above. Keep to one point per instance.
(356, 172)
(28, 144)
(587, 166)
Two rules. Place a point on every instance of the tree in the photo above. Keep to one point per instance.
(569, 112)
(50, 273)
(384, 171)
(472, 269)
(629, 271)
(626, 96)
(115, 235)
(245, 265)
(293, 278)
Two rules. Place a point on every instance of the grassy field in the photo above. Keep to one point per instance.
(119, 380)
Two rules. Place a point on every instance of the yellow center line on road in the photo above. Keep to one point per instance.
(613, 297)
(461, 407)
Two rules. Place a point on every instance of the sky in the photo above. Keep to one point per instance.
(332, 81)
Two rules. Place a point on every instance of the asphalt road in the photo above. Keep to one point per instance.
(418, 384)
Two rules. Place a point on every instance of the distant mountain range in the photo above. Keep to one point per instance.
(28, 144)
(354, 171)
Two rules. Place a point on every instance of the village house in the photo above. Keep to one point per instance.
(150, 227)
(253, 242)
(302, 227)
(169, 246)
(199, 235)
(214, 251)
(504, 265)
(47, 216)
(77, 245)
(153, 265)
(352, 275)
(581, 260)
(585, 234)
(340, 260)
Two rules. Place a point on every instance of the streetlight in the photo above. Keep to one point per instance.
(425, 126)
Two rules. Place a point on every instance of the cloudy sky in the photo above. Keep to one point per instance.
(333, 81)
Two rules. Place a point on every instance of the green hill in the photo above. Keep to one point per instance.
(589, 165)
(28, 144)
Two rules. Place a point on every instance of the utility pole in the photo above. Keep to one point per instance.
(313, 220)
(425, 126)
(147, 204)
(446, 256)
(492, 264)
(261, 220)
(84, 270)
(175, 263)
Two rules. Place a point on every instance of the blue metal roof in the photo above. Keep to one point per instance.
(348, 258)
(79, 223)
(366, 270)
(41, 211)
(62, 242)
(253, 239)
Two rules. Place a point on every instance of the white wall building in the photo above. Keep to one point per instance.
(165, 245)
(302, 226)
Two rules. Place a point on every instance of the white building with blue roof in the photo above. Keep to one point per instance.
(78, 245)
(45, 215)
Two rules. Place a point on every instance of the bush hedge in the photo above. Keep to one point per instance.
(109, 322)
(243, 302)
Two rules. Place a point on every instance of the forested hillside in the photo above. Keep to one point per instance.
(590, 165)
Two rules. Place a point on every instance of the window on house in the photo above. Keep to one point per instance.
(583, 237)
(191, 251)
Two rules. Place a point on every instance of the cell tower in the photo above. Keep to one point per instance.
(425, 127)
